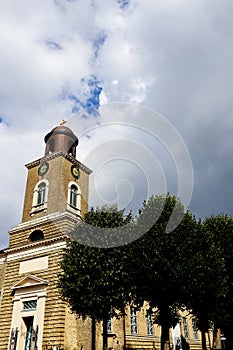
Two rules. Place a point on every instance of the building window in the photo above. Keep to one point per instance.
(29, 305)
(185, 326)
(194, 325)
(74, 197)
(72, 148)
(41, 193)
(149, 323)
(109, 325)
(133, 320)
(51, 146)
(40, 196)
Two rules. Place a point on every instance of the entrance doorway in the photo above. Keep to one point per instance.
(28, 321)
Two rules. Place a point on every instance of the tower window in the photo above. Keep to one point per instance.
(72, 149)
(40, 196)
(51, 146)
(36, 235)
(41, 193)
(74, 197)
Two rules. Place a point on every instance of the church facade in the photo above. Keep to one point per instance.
(32, 314)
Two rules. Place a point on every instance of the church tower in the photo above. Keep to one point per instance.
(32, 316)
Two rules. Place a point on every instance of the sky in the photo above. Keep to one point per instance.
(170, 61)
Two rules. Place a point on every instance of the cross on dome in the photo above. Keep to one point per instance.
(63, 121)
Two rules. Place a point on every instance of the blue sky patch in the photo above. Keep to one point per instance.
(91, 102)
(123, 3)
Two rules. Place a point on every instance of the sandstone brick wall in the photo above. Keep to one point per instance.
(6, 305)
(32, 179)
(55, 308)
(2, 275)
(2, 272)
(77, 332)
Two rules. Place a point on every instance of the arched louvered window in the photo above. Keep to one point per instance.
(40, 196)
(41, 193)
(51, 146)
(73, 195)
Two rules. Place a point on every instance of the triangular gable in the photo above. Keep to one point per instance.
(29, 281)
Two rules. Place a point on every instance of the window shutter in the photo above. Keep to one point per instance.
(13, 339)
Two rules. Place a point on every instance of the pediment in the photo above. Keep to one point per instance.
(29, 281)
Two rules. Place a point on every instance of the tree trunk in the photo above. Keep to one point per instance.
(203, 340)
(165, 343)
(124, 346)
(105, 334)
(165, 327)
(93, 334)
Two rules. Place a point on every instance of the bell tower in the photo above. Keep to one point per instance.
(58, 182)
(57, 185)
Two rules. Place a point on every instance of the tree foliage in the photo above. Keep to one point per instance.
(177, 262)
(220, 230)
(206, 280)
(94, 281)
(159, 259)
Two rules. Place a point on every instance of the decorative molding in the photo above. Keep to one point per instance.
(45, 219)
(56, 155)
(45, 246)
(29, 281)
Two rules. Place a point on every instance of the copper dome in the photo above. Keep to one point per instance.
(61, 138)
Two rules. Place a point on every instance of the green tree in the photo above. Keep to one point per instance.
(206, 282)
(220, 230)
(94, 281)
(160, 255)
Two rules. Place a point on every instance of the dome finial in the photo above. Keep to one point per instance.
(63, 122)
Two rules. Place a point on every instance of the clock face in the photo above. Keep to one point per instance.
(75, 171)
(44, 167)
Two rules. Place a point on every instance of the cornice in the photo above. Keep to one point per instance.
(56, 155)
(45, 242)
(55, 217)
